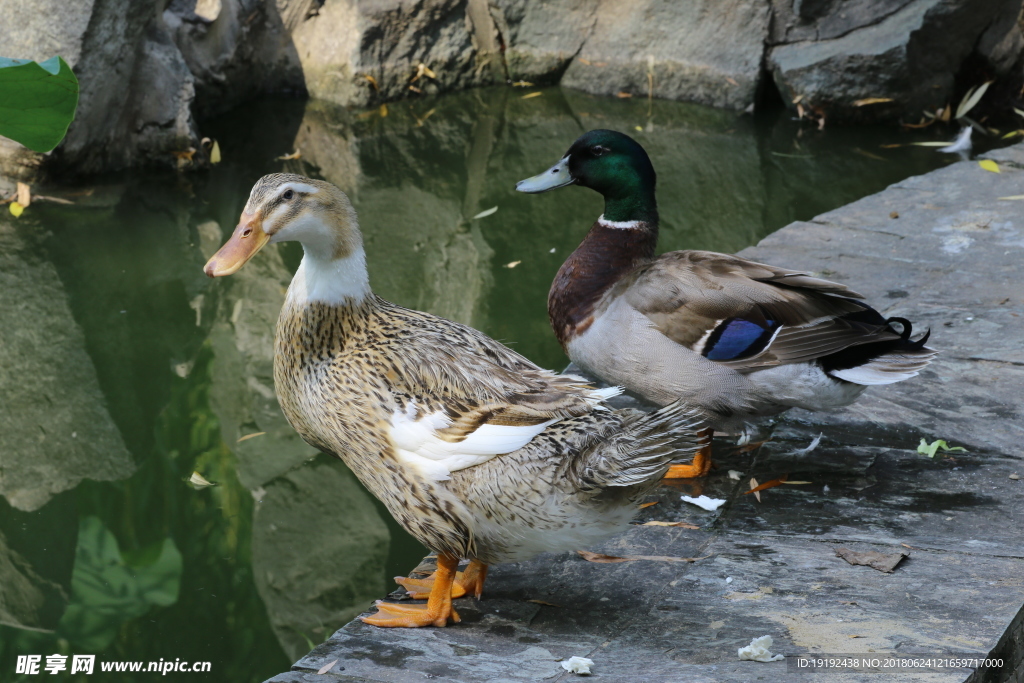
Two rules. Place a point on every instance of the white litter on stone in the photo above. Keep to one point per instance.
(759, 650)
(578, 665)
(735, 475)
(728, 579)
(825, 489)
(702, 501)
(811, 447)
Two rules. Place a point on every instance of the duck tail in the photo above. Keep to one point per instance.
(906, 333)
(885, 362)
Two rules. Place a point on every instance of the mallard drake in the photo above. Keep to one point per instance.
(737, 339)
(475, 450)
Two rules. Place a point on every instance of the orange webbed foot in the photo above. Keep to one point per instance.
(394, 615)
(699, 466)
(436, 612)
(469, 582)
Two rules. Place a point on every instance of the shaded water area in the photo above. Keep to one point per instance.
(123, 369)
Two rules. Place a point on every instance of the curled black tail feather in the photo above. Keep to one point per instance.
(908, 330)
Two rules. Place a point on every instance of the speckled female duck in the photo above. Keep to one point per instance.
(737, 339)
(475, 450)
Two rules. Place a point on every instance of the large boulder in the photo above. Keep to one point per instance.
(541, 39)
(702, 51)
(357, 52)
(831, 55)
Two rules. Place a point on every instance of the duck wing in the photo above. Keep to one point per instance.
(749, 315)
(464, 398)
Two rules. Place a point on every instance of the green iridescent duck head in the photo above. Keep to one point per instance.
(608, 162)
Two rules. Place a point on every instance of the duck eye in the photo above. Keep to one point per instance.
(288, 194)
(246, 232)
(598, 150)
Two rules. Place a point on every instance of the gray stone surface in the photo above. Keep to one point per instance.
(56, 429)
(950, 260)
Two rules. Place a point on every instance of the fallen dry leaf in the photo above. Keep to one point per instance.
(645, 505)
(585, 61)
(753, 489)
(871, 100)
(486, 212)
(297, 154)
(512, 264)
(894, 214)
(383, 110)
(327, 667)
(24, 194)
(623, 95)
(415, 89)
(881, 561)
(250, 436)
(611, 559)
(522, 84)
(684, 525)
(731, 81)
(544, 602)
(598, 557)
(532, 94)
(185, 155)
(198, 481)
(767, 485)
(371, 80)
(989, 165)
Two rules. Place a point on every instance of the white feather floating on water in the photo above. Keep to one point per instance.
(962, 143)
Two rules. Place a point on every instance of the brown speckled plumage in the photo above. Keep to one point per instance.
(342, 371)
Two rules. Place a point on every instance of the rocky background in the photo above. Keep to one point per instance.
(150, 68)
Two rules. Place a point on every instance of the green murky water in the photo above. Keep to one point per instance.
(124, 369)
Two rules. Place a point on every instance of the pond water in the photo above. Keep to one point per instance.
(124, 369)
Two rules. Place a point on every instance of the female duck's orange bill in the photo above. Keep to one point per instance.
(245, 241)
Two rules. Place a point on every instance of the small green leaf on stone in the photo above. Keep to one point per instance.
(930, 449)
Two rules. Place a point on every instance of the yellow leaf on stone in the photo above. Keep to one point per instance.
(16, 209)
(989, 165)
(215, 153)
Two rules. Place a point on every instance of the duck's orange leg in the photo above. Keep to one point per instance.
(701, 463)
(436, 612)
(469, 582)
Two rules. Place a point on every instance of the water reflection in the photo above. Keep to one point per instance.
(124, 369)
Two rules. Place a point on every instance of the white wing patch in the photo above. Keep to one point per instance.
(418, 445)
